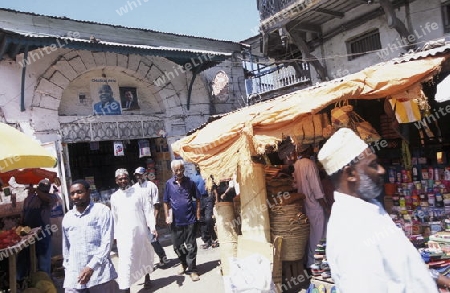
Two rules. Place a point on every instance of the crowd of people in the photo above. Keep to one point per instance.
(340, 188)
(90, 230)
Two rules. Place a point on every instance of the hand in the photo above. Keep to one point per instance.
(85, 275)
(168, 220)
(155, 233)
(327, 211)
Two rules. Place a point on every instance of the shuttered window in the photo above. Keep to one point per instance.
(363, 44)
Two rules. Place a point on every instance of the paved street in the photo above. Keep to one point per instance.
(166, 279)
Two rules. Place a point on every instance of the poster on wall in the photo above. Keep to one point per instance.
(119, 150)
(144, 148)
(128, 98)
(104, 92)
(220, 86)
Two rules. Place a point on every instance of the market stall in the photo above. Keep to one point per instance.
(229, 145)
(13, 245)
(20, 156)
(18, 151)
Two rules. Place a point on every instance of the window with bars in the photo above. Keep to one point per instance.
(446, 16)
(362, 44)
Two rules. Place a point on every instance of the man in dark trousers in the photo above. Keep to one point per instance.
(179, 195)
(152, 190)
(206, 211)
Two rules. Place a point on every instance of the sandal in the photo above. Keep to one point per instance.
(147, 284)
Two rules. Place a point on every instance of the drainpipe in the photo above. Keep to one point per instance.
(22, 85)
(4, 46)
(195, 71)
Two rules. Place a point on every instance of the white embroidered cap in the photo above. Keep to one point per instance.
(121, 172)
(340, 149)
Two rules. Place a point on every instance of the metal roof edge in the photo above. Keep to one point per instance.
(116, 26)
(23, 38)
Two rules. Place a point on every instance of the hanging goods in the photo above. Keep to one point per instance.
(406, 155)
(340, 115)
(365, 130)
(408, 104)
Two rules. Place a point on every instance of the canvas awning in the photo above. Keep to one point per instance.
(443, 90)
(221, 145)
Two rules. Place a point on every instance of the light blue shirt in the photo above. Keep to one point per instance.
(87, 239)
(200, 182)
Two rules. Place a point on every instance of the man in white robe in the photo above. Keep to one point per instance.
(133, 217)
(366, 251)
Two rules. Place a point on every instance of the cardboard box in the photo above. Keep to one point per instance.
(161, 144)
(164, 156)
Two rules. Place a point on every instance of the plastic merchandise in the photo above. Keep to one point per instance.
(251, 275)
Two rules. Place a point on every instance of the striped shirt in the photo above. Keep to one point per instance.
(87, 239)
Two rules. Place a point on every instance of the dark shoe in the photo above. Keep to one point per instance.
(147, 284)
(215, 244)
(194, 277)
(161, 263)
(205, 246)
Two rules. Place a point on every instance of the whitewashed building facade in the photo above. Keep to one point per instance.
(178, 81)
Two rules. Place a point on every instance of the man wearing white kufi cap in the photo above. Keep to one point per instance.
(366, 251)
(133, 216)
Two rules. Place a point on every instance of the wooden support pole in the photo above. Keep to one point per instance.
(12, 273)
(254, 208)
(33, 264)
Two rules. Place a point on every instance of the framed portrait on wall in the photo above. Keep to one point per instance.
(128, 98)
(104, 92)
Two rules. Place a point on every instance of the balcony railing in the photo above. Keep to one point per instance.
(274, 78)
(268, 8)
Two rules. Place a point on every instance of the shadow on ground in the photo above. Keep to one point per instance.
(163, 282)
(207, 267)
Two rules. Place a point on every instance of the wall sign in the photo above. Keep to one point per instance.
(104, 92)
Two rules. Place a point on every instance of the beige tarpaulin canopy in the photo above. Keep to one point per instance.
(222, 144)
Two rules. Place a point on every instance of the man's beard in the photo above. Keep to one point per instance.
(124, 186)
(368, 189)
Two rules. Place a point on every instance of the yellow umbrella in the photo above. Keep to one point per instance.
(19, 151)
